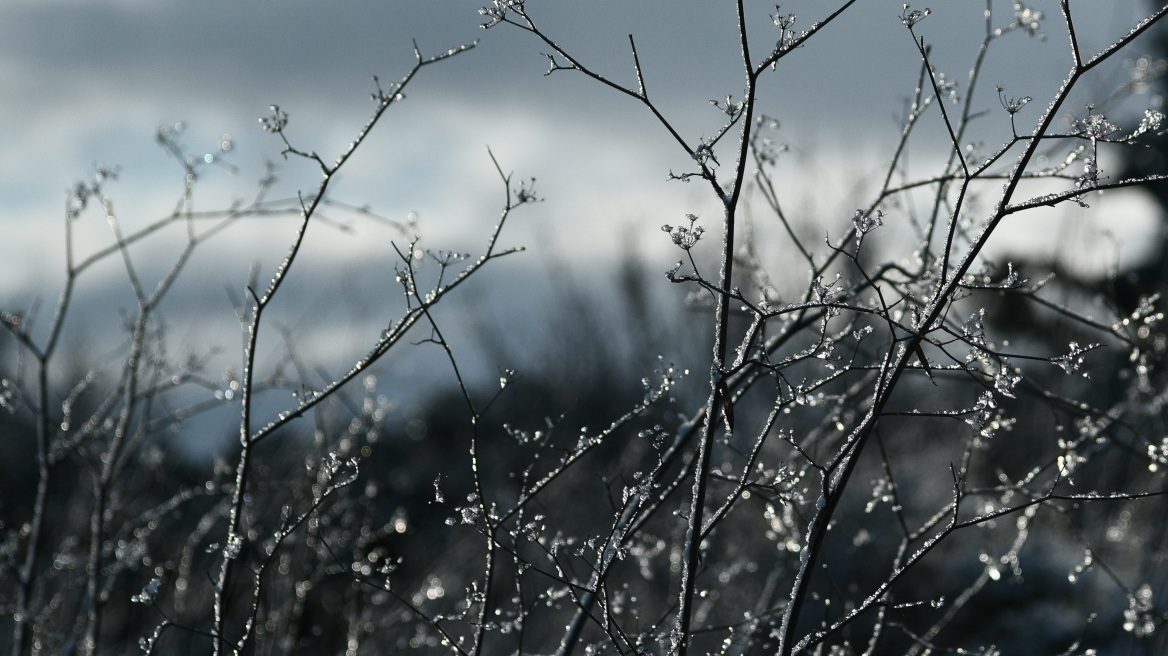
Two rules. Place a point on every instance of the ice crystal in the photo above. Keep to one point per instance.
(704, 153)
(911, 18)
(1090, 176)
(148, 593)
(1095, 126)
(685, 237)
(730, 107)
(866, 222)
(1006, 380)
(233, 548)
(276, 121)
(1012, 105)
(974, 326)
(824, 293)
(1149, 123)
(781, 20)
(497, 12)
(983, 412)
(1071, 362)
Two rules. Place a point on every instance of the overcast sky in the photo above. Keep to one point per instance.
(89, 81)
(86, 81)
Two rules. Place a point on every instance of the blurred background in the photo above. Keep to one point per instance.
(89, 83)
(583, 313)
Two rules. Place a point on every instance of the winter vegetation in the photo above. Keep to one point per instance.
(843, 435)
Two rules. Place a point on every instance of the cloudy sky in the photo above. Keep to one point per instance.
(86, 81)
(89, 81)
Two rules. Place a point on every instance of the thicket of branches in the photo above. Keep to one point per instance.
(917, 451)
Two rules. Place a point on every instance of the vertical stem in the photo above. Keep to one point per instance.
(20, 634)
(694, 528)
